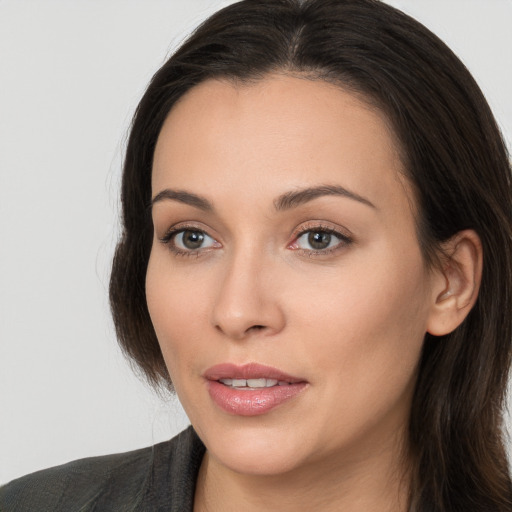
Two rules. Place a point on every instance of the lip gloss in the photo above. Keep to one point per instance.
(247, 401)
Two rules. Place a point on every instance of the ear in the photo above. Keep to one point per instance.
(456, 283)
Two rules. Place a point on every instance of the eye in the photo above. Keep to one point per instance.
(191, 240)
(320, 240)
(188, 241)
(317, 240)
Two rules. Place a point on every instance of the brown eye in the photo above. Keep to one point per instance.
(189, 239)
(319, 240)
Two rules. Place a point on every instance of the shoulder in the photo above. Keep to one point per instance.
(124, 481)
(78, 484)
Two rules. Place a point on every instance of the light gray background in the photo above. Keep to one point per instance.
(71, 73)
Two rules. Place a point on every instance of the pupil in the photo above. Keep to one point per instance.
(319, 240)
(193, 239)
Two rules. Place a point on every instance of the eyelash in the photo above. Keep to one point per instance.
(344, 240)
(169, 240)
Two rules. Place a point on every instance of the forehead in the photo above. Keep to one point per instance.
(280, 132)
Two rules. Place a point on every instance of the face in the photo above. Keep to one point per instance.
(285, 256)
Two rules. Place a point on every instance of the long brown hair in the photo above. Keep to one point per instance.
(455, 159)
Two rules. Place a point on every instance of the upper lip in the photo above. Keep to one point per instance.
(248, 371)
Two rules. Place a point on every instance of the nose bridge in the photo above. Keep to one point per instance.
(247, 301)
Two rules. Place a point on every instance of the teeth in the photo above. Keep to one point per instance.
(256, 383)
(251, 383)
(261, 383)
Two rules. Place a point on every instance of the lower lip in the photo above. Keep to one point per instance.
(252, 402)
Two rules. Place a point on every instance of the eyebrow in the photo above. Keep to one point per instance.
(183, 197)
(286, 201)
(299, 197)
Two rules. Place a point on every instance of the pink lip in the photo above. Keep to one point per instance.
(245, 402)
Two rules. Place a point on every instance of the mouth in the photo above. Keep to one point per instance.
(253, 383)
(251, 389)
(250, 375)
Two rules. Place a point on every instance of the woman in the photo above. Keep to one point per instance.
(317, 256)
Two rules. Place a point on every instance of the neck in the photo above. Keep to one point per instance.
(375, 481)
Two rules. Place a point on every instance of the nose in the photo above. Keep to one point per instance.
(248, 299)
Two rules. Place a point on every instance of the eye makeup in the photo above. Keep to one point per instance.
(323, 239)
(189, 240)
(312, 239)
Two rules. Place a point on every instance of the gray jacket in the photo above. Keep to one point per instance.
(157, 478)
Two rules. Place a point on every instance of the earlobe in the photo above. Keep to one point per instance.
(456, 283)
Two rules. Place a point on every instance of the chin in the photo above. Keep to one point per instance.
(254, 451)
(271, 461)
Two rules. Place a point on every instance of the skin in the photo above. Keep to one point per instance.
(350, 319)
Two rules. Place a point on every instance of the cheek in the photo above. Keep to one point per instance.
(178, 307)
(362, 321)
(374, 293)
(367, 327)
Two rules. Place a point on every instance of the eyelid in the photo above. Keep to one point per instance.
(344, 235)
(168, 239)
(321, 225)
(181, 226)
(341, 233)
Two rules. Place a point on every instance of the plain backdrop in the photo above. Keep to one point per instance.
(71, 73)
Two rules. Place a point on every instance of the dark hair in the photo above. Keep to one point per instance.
(454, 157)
